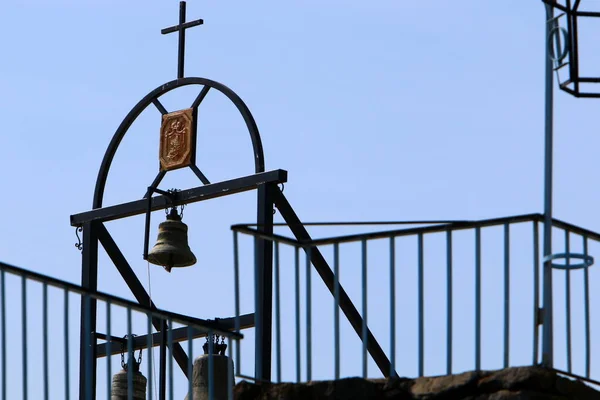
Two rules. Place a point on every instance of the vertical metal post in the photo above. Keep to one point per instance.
(536, 292)
(568, 301)
(506, 295)
(108, 350)
(264, 263)
(297, 303)
(392, 306)
(67, 343)
(229, 369)
(130, 359)
(586, 304)
(364, 309)
(45, 338)
(236, 279)
(277, 313)
(421, 306)
(24, 331)
(477, 299)
(308, 315)
(149, 357)
(88, 388)
(449, 304)
(3, 328)
(336, 308)
(211, 367)
(162, 377)
(190, 366)
(89, 281)
(170, 346)
(547, 335)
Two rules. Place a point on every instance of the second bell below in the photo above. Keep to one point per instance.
(171, 249)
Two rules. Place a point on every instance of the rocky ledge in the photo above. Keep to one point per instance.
(523, 383)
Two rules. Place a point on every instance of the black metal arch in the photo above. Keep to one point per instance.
(259, 160)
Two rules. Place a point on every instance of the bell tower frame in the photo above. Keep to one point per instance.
(91, 223)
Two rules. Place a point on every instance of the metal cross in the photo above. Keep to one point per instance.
(181, 29)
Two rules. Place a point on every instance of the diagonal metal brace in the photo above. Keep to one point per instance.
(322, 267)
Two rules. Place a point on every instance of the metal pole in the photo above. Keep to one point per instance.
(547, 335)
(89, 280)
(264, 285)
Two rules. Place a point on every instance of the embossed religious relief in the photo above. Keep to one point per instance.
(176, 140)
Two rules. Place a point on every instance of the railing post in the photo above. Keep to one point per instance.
(547, 335)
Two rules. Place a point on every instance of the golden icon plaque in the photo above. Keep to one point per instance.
(176, 140)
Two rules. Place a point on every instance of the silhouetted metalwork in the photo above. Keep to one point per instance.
(184, 133)
(181, 29)
(564, 45)
(35, 287)
(577, 313)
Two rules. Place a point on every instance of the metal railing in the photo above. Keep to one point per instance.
(445, 296)
(39, 336)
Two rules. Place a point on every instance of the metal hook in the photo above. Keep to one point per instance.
(79, 245)
(281, 189)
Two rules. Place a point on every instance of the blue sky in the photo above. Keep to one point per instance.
(385, 110)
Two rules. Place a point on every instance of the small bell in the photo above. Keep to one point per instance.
(171, 249)
(120, 385)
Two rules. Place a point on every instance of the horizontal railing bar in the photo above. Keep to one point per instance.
(451, 226)
(178, 335)
(358, 223)
(183, 197)
(265, 236)
(395, 233)
(197, 323)
(575, 229)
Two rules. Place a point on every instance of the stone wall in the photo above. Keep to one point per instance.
(523, 383)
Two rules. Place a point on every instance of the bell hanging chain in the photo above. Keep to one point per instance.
(173, 192)
(136, 363)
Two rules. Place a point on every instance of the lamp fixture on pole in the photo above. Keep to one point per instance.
(564, 46)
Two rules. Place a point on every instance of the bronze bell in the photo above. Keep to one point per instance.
(171, 249)
(120, 385)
